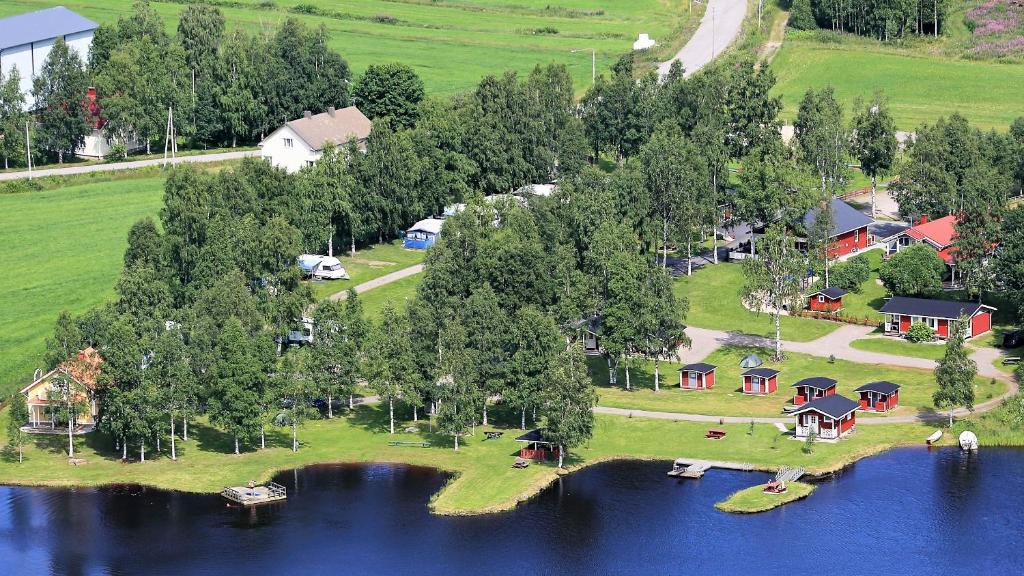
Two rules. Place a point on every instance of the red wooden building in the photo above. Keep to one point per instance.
(698, 376)
(813, 388)
(849, 228)
(901, 312)
(827, 300)
(536, 446)
(760, 381)
(879, 396)
(829, 417)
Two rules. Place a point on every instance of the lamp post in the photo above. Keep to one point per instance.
(593, 62)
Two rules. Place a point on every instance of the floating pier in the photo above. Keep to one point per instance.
(246, 496)
(692, 468)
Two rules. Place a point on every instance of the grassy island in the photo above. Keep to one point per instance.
(754, 499)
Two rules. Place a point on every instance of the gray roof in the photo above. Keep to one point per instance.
(832, 293)
(762, 372)
(42, 25)
(882, 387)
(819, 382)
(701, 367)
(428, 225)
(337, 127)
(845, 218)
(950, 309)
(835, 406)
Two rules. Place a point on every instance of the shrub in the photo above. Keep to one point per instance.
(385, 19)
(914, 271)
(808, 446)
(920, 332)
(801, 16)
(545, 30)
(850, 275)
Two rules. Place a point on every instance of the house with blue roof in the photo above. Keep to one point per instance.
(849, 228)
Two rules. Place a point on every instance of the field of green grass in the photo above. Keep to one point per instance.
(452, 44)
(754, 499)
(725, 398)
(926, 350)
(920, 86)
(367, 264)
(397, 293)
(63, 251)
(714, 296)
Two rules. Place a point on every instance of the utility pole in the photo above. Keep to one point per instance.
(28, 150)
(170, 141)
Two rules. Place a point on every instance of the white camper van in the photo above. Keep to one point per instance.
(323, 267)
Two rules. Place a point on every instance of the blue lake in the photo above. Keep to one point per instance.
(909, 511)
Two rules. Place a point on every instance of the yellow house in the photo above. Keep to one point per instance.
(82, 370)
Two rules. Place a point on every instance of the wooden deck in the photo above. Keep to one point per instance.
(694, 468)
(246, 496)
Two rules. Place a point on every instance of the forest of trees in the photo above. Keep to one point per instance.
(881, 19)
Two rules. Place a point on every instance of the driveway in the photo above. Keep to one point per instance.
(378, 282)
(719, 27)
(129, 165)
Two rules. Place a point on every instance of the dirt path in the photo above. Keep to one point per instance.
(382, 280)
(129, 165)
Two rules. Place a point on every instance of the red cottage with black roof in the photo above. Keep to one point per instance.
(827, 300)
(829, 418)
(813, 388)
(849, 228)
(760, 381)
(698, 376)
(879, 396)
(901, 312)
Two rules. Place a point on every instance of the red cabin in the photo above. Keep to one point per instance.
(827, 300)
(760, 381)
(849, 232)
(901, 312)
(699, 376)
(829, 417)
(810, 389)
(879, 396)
(536, 447)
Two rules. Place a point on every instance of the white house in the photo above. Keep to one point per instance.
(26, 40)
(300, 143)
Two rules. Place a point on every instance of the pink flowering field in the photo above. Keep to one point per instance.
(997, 28)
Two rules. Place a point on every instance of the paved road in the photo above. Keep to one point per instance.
(69, 170)
(378, 282)
(721, 24)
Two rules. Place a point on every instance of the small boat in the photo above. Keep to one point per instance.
(968, 440)
(934, 437)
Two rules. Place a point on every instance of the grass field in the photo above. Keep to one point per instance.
(398, 293)
(725, 398)
(714, 296)
(367, 264)
(450, 43)
(920, 87)
(62, 251)
(867, 302)
(754, 499)
(926, 350)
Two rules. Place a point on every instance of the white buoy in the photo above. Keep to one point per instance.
(968, 440)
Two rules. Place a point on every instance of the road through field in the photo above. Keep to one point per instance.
(721, 24)
(131, 164)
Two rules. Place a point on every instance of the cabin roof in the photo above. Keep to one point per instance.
(882, 387)
(428, 225)
(950, 309)
(818, 382)
(535, 435)
(832, 293)
(835, 406)
(762, 372)
(845, 218)
(701, 367)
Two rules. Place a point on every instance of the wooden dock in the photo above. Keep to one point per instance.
(693, 468)
(246, 496)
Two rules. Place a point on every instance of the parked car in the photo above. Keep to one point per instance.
(1013, 339)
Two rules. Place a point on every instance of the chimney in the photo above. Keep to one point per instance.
(922, 220)
(330, 111)
(307, 114)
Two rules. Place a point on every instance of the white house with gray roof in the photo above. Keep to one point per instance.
(300, 143)
(26, 40)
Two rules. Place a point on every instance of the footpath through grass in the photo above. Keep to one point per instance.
(714, 295)
(368, 264)
(754, 499)
(63, 250)
(726, 399)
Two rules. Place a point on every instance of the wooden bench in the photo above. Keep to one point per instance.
(715, 434)
(493, 435)
(399, 443)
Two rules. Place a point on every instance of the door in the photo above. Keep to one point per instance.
(693, 380)
(811, 422)
(755, 385)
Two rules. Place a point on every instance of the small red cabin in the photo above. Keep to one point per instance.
(827, 300)
(829, 417)
(902, 312)
(879, 396)
(536, 447)
(699, 376)
(810, 389)
(760, 381)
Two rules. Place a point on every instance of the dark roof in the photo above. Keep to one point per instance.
(698, 367)
(835, 406)
(845, 218)
(536, 435)
(882, 387)
(762, 372)
(832, 293)
(42, 25)
(932, 308)
(819, 382)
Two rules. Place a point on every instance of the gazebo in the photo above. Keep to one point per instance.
(536, 446)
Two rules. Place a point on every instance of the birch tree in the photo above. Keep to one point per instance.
(570, 402)
(771, 281)
(955, 372)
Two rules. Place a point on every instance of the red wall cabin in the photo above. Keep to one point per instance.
(879, 396)
(697, 376)
(760, 381)
(901, 312)
(813, 388)
(849, 242)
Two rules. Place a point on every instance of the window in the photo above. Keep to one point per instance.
(309, 163)
(933, 323)
(821, 298)
(856, 236)
(289, 143)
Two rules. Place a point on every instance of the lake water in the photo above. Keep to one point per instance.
(909, 511)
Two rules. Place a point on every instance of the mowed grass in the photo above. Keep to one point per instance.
(754, 499)
(397, 293)
(888, 345)
(726, 399)
(368, 264)
(871, 298)
(714, 295)
(484, 478)
(452, 44)
(63, 250)
(920, 88)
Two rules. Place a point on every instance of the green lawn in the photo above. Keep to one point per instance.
(452, 44)
(63, 251)
(754, 499)
(398, 293)
(485, 479)
(714, 296)
(725, 398)
(926, 350)
(367, 264)
(867, 302)
(920, 87)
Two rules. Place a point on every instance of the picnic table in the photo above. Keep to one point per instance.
(493, 435)
(715, 434)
